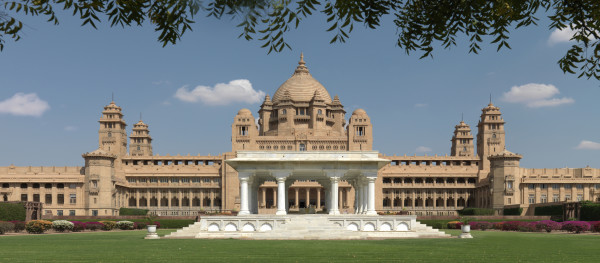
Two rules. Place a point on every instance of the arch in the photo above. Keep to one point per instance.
(213, 227)
(418, 180)
(369, 227)
(470, 202)
(407, 180)
(23, 185)
(206, 201)
(36, 185)
(429, 180)
(164, 201)
(143, 201)
(402, 227)
(385, 227)
(450, 201)
(174, 201)
(61, 185)
(439, 202)
(5, 198)
(5, 185)
(429, 202)
(460, 202)
(132, 201)
(387, 201)
(352, 227)
(217, 201)
(47, 186)
(419, 201)
(397, 201)
(450, 180)
(153, 201)
(408, 202)
(196, 201)
(230, 227)
(248, 227)
(266, 227)
(185, 201)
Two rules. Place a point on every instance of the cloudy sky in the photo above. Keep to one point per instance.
(55, 81)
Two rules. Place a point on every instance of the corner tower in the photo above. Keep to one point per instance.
(462, 141)
(112, 135)
(490, 135)
(140, 142)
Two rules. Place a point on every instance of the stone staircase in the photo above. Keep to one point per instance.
(304, 227)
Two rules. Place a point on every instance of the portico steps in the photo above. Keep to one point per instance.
(307, 227)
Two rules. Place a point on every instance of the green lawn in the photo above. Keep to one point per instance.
(130, 246)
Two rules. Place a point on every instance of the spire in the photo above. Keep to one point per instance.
(301, 69)
(140, 116)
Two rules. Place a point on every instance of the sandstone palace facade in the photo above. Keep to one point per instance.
(301, 116)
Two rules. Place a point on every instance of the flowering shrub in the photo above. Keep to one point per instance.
(78, 226)
(576, 226)
(498, 225)
(528, 227)
(93, 226)
(38, 226)
(595, 225)
(108, 225)
(511, 225)
(62, 225)
(480, 225)
(139, 225)
(157, 224)
(125, 225)
(454, 225)
(548, 225)
(6, 227)
(19, 226)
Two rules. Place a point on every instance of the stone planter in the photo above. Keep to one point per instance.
(466, 231)
(152, 232)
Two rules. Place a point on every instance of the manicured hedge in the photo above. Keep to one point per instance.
(132, 211)
(476, 212)
(12, 211)
(551, 210)
(590, 211)
(515, 211)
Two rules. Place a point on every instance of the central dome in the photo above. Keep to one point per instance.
(301, 87)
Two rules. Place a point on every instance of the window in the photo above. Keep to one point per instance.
(48, 186)
(567, 186)
(597, 186)
(319, 111)
(579, 197)
(207, 180)
(302, 147)
(60, 186)
(531, 186)
(283, 112)
(154, 180)
(4, 185)
(195, 180)
(36, 185)
(360, 131)
(164, 180)
(48, 199)
(59, 212)
(543, 186)
(131, 180)
(71, 212)
(60, 199)
(244, 130)
(138, 148)
(544, 199)
(555, 186)
(509, 185)
(109, 133)
(73, 199)
(555, 198)
(72, 186)
(174, 180)
(94, 212)
(23, 186)
(567, 197)
(579, 186)
(531, 198)
(36, 197)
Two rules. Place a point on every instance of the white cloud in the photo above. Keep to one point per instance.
(420, 105)
(22, 104)
(561, 35)
(239, 90)
(588, 145)
(70, 128)
(535, 95)
(423, 149)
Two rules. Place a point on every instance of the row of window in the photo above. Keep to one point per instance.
(557, 186)
(432, 163)
(172, 162)
(60, 198)
(37, 185)
(71, 212)
(173, 180)
(302, 147)
(555, 198)
(398, 180)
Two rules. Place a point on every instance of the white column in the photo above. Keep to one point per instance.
(371, 197)
(364, 198)
(243, 196)
(281, 196)
(334, 197)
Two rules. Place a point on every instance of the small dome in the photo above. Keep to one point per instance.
(359, 112)
(244, 112)
(301, 86)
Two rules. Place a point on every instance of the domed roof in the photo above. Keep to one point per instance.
(301, 86)
(359, 112)
(244, 112)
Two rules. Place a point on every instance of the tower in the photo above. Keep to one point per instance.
(360, 131)
(112, 135)
(462, 141)
(265, 114)
(243, 131)
(140, 142)
(503, 188)
(490, 135)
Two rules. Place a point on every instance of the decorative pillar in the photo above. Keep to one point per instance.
(341, 198)
(365, 202)
(318, 198)
(371, 197)
(296, 202)
(334, 198)
(243, 196)
(264, 197)
(308, 197)
(274, 197)
(281, 196)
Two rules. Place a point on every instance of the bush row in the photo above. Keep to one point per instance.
(535, 226)
(551, 210)
(515, 211)
(41, 226)
(12, 211)
(590, 211)
(133, 211)
(470, 211)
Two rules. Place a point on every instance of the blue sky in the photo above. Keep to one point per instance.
(55, 81)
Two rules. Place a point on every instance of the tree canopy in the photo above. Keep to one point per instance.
(421, 24)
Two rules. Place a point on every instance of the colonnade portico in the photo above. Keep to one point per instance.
(326, 168)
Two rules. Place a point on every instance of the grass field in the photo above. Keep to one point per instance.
(129, 246)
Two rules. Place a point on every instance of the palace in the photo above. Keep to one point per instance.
(300, 120)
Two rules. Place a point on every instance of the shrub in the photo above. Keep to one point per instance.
(6, 227)
(139, 225)
(528, 227)
(38, 226)
(498, 225)
(108, 225)
(78, 226)
(62, 225)
(576, 226)
(595, 226)
(590, 211)
(12, 211)
(19, 225)
(132, 211)
(476, 212)
(515, 211)
(454, 224)
(93, 226)
(125, 225)
(481, 225)
(551, 210)
(548, 225)
(511, 225)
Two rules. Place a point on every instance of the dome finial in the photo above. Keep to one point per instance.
(301, 58)
(301, 66)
